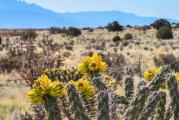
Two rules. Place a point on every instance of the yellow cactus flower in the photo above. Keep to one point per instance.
(177, 76)
(34, 96)
(151, 73)
(92, 64)
(84, 87)
(44, 86)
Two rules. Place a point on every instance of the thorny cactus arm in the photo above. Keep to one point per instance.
(39, 112)
(137, 104)
(158, 80)
(174, 94)
(169, 112)
(115, 100)
(65, 108)
(150, 106)
(160, 113)
(113, 107)
(97, 81)
(103, 106)
(76, 104)
(52, 109)
(120, 99)
(90, 106)
(129, 86)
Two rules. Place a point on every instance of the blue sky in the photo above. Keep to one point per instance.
(155, 8)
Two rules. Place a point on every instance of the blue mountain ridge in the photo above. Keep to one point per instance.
(18, 14)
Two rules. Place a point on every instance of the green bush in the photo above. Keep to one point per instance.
(160, 23)
(116, 39)
(164, 33)
(177, 25)
(128, 36)
(72, 31)
(28, 34)
(114, 26)
(56, 30)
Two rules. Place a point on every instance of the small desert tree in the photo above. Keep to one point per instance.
(160, 23)
(164, 32)
(114, 26)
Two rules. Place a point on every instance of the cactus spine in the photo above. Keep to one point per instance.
(103, 106)
(137, 104)
(169, 112)
(52, 109)
(150, 106)
(97, 81)
(129, 86)
(158, 80)
(76, 104)
(174, 94)
(113, 108)
(160, 113)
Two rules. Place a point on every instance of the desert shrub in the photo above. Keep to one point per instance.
(114, 26)
(177, 25)
(125, 43)
(129, 26)
(167, 59)
(69, 47)
(90, 30)
(28, 34)
(160, 23)
(164, 33)
(56, 30)
(72, 31)
(116, 39)
(128, 36)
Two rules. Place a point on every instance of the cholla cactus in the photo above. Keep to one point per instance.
(39, 112)
(96, 80)
(137, 104)
(103, 106)
(129, 86)
(159, 79)
(51, 106)
(113, 107)
(45, 91)
(160, 113)
(151, 73)
(169, 112)
(84, 87)
(91, 66)
(76, 104)
(62, 74)
(174, 94)
(87, 91)
(150, 106)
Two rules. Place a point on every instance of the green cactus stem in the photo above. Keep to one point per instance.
(160, 113)
(137, 104)
(77, 106)
(150, 106)
(96, 81)
(129, 86)
(158, 80)
(174, 94)
(103, 106)
(51, 106)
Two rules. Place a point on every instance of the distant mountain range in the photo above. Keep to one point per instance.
(14, 14)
